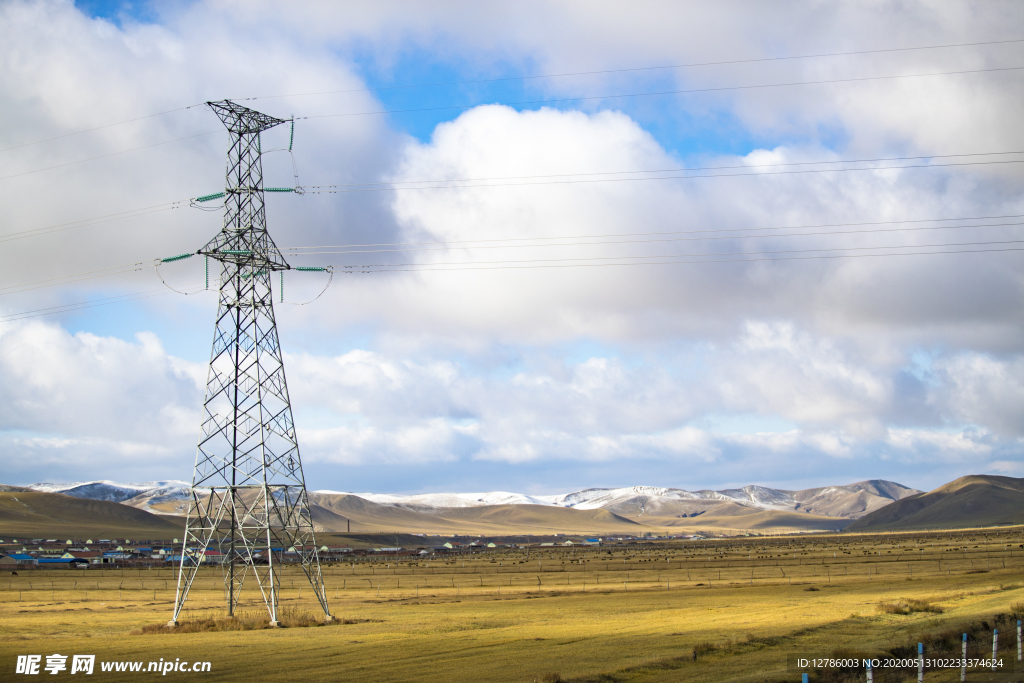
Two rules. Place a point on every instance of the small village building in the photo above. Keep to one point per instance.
(18, 561)
(213, 557)
(62, 563)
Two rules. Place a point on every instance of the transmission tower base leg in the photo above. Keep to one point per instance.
(172, 623)
(329, 619)
(275, 624)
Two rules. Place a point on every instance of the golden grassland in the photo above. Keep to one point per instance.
(620, 613)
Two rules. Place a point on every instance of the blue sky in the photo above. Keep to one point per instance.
(729, 371)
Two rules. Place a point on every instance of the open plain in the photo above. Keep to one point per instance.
(715, 610)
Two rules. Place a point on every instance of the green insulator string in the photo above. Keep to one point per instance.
(282, 272)
(279, 189)
(311, 269)
(207, 272)
(179, 257)
(236, 252)
(210, 197)
(291, 139)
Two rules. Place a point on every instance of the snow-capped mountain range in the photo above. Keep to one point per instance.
(848, 501)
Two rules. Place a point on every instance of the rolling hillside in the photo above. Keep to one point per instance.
(35, 513)
(971, 501)
(629, 510)
(330, 510)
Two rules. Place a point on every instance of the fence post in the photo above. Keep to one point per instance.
(1018, 641)
(995, 647)
(870, 674)
(920, 663)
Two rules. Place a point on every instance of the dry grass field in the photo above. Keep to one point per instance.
(622, 613)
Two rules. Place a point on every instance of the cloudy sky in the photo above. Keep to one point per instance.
(697, 245)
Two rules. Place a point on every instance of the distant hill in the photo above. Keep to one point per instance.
(331, 511)
(971, 501)
(848, 501)
(36, 513)
(627, 510)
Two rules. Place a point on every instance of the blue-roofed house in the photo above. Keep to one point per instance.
(18, 561)
(62, 563)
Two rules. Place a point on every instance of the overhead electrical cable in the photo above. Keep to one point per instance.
(535, 77)
(321, 251)
(86, 222)
(92, 303)
(111, 154)
(663, 92)
(675, 169)
(395, 269)
(52, 310)
(588, 181)
(90, 130)
(75, 277)
(651, 260)
(674, 232)
(634, 69)
(542, 102)
(429, 265)
(319, 189)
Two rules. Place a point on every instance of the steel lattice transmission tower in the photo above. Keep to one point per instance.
(248, 496)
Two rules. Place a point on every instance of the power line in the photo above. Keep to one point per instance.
(317, 189)
(635, 69)
(311, 188)
(709, 235)
(93, 303)
(697, 261)
(668, 177)
(299, 251)
(545, 101)
(90, 130)
(674, 232)
(429, 266)
(75, 277)
(534, 77)
(384, 268)
(86, 222)
(104, 156)
(665, 92)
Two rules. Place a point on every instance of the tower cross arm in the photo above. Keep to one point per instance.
(256, 259)
(242, 120)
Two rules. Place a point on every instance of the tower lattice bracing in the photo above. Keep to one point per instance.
(248, 496)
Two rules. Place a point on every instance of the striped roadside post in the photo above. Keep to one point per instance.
(963, 660)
